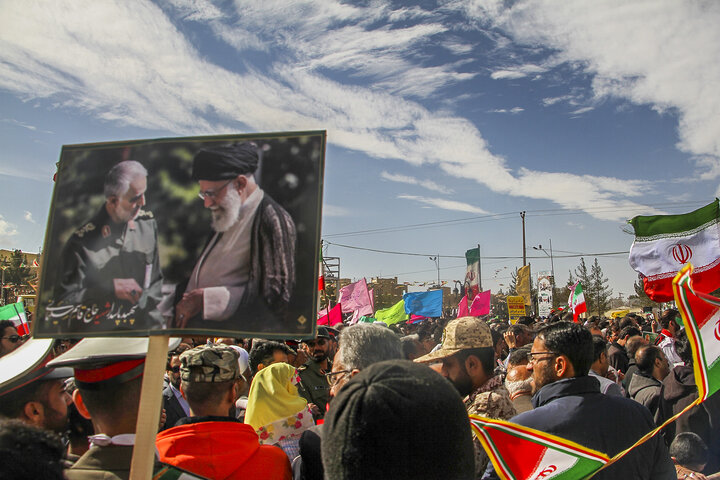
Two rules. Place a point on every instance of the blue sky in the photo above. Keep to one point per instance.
(582, 114)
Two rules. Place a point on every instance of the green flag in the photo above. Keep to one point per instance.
(392, 315)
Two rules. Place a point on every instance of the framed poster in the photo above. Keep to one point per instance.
(185, 236)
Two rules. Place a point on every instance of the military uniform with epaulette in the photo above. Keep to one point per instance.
(314, 385)
(96, 254)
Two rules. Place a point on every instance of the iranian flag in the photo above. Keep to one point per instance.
(701, 315)
(472, 275)
(665, 243)
(321, 273)
(522, 453)
(576, 300)
(16, 313)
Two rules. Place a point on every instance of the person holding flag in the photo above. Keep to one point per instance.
(568, 404)
(10, 340)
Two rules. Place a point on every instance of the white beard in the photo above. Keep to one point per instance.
(227, 212)
(519, 386)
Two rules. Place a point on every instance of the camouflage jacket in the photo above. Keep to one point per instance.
(490, 400)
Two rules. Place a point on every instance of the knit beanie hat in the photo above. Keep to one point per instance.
(395, 420)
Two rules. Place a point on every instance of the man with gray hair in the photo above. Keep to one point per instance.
(360, 346)
(110, 277)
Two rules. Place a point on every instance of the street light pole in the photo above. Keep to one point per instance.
(436, 259)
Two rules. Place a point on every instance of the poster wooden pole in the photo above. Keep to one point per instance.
(150, 406)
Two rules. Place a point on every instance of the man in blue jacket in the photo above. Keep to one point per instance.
(568, 403)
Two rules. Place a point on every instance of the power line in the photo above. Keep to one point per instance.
(502, 216)
(488, 257)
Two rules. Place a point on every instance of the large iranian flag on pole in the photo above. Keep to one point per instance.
(665, 243)
(522, 453)
(576, 300)
(701, 315)
(472, 274)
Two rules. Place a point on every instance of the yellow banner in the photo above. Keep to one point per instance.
(516, 308)
(522, 283)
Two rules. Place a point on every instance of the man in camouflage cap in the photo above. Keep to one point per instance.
(468, 362)
(210, 381)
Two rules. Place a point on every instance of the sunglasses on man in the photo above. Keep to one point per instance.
(13, 338)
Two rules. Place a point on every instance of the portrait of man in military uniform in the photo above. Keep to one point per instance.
(110, 277)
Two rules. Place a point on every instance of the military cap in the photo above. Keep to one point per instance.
(209, 364)
(225, 162)
(103, 361)
(27, 364)
(460, 334)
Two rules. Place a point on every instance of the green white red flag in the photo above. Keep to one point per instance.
(321, 274)
(576, 300)
(522, 453)
(472, 274)
(16, 313)
(701, 315)
(665, 243)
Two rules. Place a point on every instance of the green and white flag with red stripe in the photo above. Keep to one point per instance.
(701, 315)
(576, 300)
(665, 243)
(522, 453)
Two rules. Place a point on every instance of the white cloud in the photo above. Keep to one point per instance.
(579, 226)
(334, 211)
(28, 217)
(582, 110)
(429, 184)
(660, 53)
(19, 123)
(522, 71)
(7, 230)
(444, 204)
(128, 64)
(512, 111)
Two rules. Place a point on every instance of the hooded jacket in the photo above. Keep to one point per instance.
(221, 449)
(645, 390)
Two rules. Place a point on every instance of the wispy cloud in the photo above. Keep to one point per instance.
(659, 53)
(334, 211)
(130, 64)
(512, 111)
(521, 71)
(429, 184)
(7, 230)
(28, 217)
(444, 204)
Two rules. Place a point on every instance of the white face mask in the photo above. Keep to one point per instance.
(227, 211)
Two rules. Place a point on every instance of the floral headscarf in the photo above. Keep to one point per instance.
(275, 409)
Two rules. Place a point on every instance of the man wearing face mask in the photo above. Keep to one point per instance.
(246, 272)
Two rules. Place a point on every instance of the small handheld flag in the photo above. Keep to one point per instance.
(522, 453)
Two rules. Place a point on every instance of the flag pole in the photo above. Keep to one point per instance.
(480, 289)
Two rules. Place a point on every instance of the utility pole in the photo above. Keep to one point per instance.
(522, 215)
(479, 270)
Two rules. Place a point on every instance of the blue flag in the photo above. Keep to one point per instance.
(426, 304)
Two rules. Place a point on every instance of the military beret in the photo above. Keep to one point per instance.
(225, 162)
(209, 364)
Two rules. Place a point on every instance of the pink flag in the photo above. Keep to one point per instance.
(480, 304)
(462, 308)
(356, 297)
(333, 317)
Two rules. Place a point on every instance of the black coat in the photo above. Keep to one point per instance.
(173, 409)
(575, 409)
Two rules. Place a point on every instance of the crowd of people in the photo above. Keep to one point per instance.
(360, 401)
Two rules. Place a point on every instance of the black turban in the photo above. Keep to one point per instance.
(397, 420)
(225, 162)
